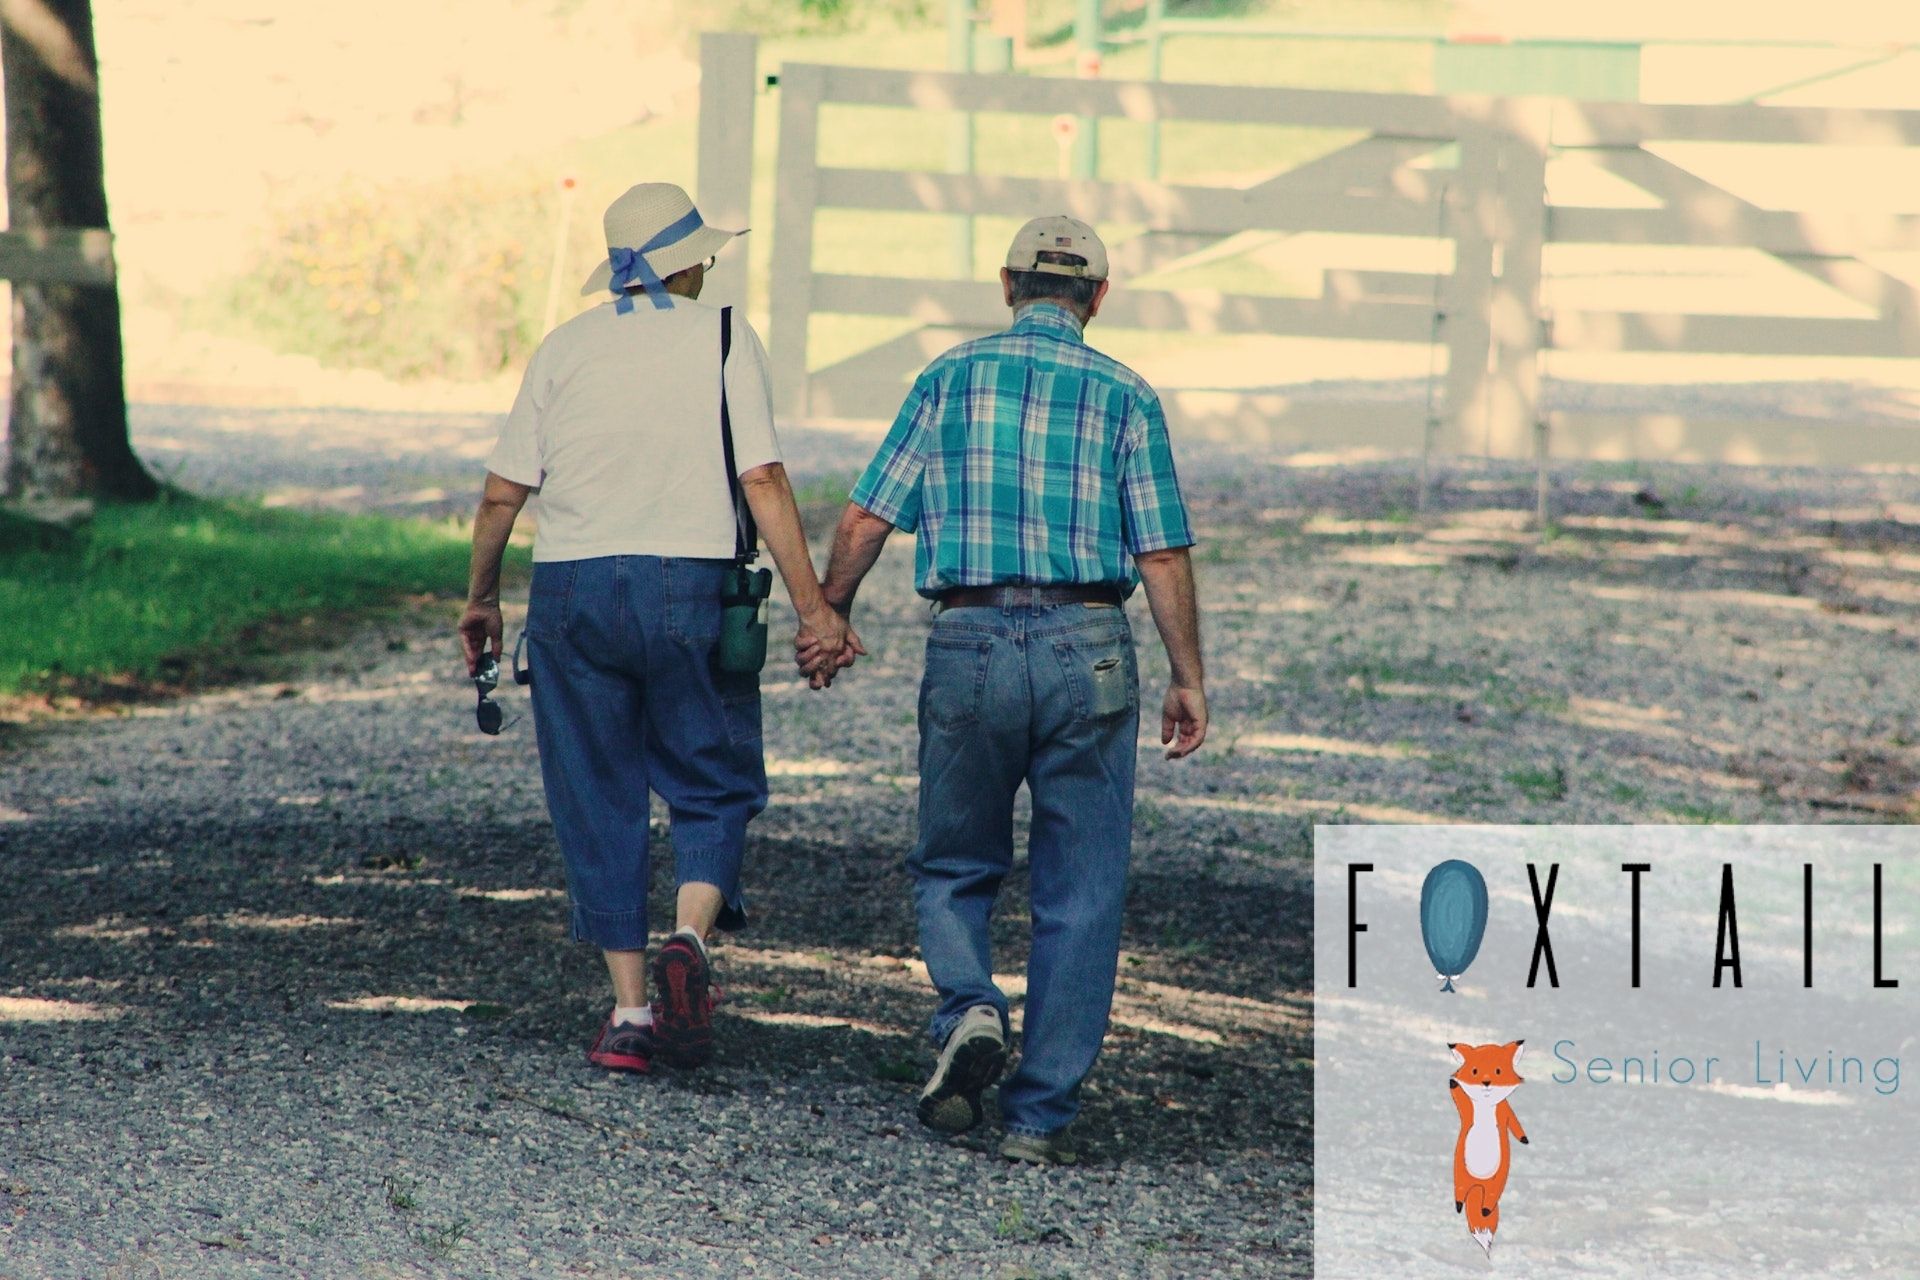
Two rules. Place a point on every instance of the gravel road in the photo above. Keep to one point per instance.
(284, 989)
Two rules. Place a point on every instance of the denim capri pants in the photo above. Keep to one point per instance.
(626, 701)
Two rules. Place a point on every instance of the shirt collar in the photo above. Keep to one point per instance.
(1050, 318)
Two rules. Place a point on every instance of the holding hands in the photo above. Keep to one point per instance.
(825, 645)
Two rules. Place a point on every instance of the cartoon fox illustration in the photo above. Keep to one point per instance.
(1486, 1077)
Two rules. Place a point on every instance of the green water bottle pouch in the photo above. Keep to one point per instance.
(742, 647)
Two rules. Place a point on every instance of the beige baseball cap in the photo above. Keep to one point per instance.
(1058, 234)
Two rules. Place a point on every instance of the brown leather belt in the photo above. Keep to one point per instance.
(1002, 597)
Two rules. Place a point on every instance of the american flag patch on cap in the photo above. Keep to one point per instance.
(1064, 242)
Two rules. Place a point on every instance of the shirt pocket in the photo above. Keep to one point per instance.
(1102, 673)
(954, 688)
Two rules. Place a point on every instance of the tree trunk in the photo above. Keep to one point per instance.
(68, 425)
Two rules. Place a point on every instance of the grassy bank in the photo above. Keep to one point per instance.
(149, 593)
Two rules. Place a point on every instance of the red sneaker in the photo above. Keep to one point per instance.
(623, 1047)
(682, 1004)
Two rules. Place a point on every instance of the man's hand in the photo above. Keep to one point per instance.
(1184, 717)
(820, 645)
(821, 672)
(822, 635)
(480, 630)
(1168, 578)
(825, 645)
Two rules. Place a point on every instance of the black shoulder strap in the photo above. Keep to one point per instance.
(746, 537)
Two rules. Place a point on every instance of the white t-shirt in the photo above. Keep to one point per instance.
(617, 425)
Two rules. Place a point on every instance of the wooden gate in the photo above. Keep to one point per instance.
(1369, 186)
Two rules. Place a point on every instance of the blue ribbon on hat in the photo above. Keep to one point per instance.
(631, 264)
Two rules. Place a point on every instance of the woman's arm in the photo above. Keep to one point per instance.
(480, 626)
(770, 498)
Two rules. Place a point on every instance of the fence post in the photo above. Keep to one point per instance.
(729, 85)
(556, 274)
(1089, 43)
(1475, 194)
(1156, 67)
(960, 145)
(1514, 315)
(796, 192)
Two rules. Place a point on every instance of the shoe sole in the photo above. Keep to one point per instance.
(609, 1061)
(954, 1105)
(1039, 1153)
(620, 1062)
(683, 1018)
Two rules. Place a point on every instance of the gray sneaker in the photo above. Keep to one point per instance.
(1053, 1148)
(973, 1058)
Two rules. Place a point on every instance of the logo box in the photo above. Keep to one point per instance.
(1674, 1128)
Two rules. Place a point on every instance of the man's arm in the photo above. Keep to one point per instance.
(1168, 578)
(480, 625)
(856, 546)
(770, 498)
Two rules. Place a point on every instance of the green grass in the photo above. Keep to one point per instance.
(1705, 813)
(1541, 784)
(441, 1241)
(400, 1194)
(144, 585)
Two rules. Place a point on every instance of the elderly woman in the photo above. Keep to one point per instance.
(618, 431)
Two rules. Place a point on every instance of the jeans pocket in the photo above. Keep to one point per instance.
(1102, 674)
(955, 684)
(740, 706)
(550, 599)
(693, 617)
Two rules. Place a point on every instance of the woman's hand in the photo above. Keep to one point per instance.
(480, 631)
(825, 645)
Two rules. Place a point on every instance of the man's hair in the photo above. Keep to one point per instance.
(1043, 286)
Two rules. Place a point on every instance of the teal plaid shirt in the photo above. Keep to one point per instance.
(1028, 457)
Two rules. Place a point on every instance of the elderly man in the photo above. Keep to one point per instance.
(618, 428)
(1033, 468)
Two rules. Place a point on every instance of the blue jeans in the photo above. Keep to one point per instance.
(1049, 696)
(625, 701)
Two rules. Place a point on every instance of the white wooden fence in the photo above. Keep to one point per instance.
(1835, 249)
(1366, 186)
(1483, 310)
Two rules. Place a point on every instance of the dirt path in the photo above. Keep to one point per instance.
(284, 989)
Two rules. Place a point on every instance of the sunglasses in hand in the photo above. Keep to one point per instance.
(486, 679)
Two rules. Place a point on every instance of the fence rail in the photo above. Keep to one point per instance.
(34, 256)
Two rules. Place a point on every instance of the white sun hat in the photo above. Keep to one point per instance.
(1058, 234)
(653, 230)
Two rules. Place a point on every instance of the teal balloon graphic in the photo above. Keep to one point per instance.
(1453, 917)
